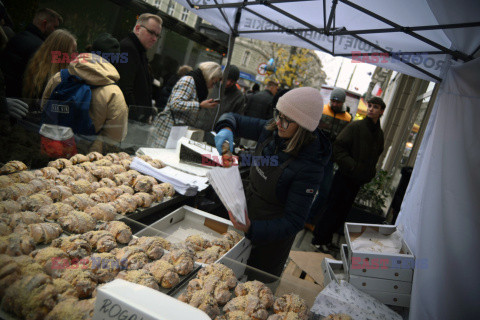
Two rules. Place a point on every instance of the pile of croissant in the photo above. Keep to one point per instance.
(212, 290)
(81, 196)
(210, 251)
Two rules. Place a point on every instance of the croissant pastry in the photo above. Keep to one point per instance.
(44, 232)
(72, 309)
(291, 302)
(41, 184)
(60, 163)
(104, 266)
(144, 183)
(126, 163)
(125, 189)
(47, 172)
(75, 172)
(20, 218)
(235, 315)
(103, 172)
(81, 186)
(209, 255)
(121, 232)
(28, 266)
(13, 166)
(232, 236)
(181, 259)
(143, 199)
(58, 193)
(22, 176)
(80, 201)
(102, 241)
(211, 284)
(5, 181)
(168, 189)
(76, 246)
(10, 206)
(108, 183)
(223, 243)
(105, 194)
(157, 193)
(258, 289)
(63, 179)
(65, 289)
(94, 156)
(113, 157)
(153, 246)
(141, 277)
(9, 272)
(55, 211)
(82, 280)
(15, 191)
(52, 259)
(79, 158)
(77, 222)
(163, 272)
(16, 244)
(128, 201)
(36, 201)
(118, 168)
(204, 301)
(197, 243)
(5, 230)
(223, 272)
(131, 257)
(156, 163)
(102, 212)
(124, 178)
(249, 304)
(31, 297)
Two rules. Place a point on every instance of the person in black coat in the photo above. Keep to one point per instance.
(284, 176)
(135, 78)
(20, 48)
(258, 104)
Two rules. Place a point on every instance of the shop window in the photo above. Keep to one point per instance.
(157, 3)
(246, 58)
(184, 15)
(171, 7)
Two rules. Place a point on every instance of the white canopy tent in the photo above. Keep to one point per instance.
(433, 40)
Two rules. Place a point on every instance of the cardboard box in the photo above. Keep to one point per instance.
(390, 298)
(333, 270)
(376, 264)
(187, 217)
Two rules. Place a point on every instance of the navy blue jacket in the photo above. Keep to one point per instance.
(298, 183)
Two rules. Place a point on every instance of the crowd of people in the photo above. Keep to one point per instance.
(305, 136)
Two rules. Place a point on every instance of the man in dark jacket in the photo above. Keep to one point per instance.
(135, 78)
(259, 104)
(356, 151)
(233, 101)
(23, 46)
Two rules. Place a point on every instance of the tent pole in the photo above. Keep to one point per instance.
(231, 43)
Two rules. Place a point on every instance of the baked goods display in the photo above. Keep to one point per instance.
(59, 239)
(291, 303)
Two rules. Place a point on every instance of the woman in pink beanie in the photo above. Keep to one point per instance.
(284, 173)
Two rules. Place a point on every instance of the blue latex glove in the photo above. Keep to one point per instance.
(220, 138)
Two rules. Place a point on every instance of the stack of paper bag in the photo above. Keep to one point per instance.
(227, 183)
(184, 183)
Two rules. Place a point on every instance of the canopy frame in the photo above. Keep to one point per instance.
(331, 30)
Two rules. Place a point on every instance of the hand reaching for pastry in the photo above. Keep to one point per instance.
(238, 225)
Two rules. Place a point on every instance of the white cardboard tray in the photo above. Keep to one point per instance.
(187, 217)
(375, 264)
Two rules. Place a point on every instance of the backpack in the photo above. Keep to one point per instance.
(69, 104)
(65, 114)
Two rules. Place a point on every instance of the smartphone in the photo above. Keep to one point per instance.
(216, 100)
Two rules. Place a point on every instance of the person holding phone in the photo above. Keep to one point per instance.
(189, 96)
(290, 156)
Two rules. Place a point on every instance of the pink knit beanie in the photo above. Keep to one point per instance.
(303, 105)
